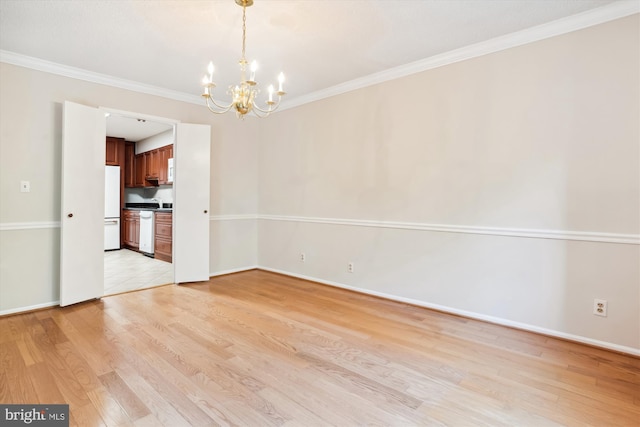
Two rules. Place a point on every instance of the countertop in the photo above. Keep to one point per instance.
(149, 209)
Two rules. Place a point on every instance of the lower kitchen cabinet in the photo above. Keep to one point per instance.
(131, 220)
(163, 236)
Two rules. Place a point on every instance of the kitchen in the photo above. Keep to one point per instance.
(138, 204)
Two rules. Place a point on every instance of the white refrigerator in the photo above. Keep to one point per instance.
(111, 207)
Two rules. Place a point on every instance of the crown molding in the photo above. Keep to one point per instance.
(619, 9)
(89, 76)
(558, 27)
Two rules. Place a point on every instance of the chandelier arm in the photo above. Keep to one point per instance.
(216, 111)
(262, 113)
(271, 109)
(222, 109)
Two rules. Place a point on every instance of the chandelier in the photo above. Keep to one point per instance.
(244, 94)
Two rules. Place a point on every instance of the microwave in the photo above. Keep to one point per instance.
(170, 170)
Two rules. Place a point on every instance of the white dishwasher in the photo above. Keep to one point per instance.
(146, 232)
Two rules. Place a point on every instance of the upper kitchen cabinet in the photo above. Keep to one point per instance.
(151, 167)
(164, 154)
(140, 170)
(129, 164)
(114, 151)
(148, 169)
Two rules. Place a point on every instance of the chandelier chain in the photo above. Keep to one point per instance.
(244, 31)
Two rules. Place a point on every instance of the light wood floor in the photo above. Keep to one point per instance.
(261, 349)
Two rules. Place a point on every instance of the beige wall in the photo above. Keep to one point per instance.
(30, 149)
(542, 137)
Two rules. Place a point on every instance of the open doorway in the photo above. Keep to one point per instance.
(138, 203)
(82, 203)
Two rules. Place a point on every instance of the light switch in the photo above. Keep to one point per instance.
(25, 186)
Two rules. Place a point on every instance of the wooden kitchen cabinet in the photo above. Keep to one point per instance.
(139, 164)
(163, 236)
(151, 166)
(148, 169)
(129, 164)
(114, 148)
(164, 154)
(131, 220)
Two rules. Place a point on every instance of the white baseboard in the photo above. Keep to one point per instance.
(29, 308)
(235, 270)
(472, 315)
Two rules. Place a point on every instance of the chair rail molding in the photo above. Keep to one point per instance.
(587, 236)
(32, 225)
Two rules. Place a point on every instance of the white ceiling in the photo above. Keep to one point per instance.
(134, 128)
(317, 43)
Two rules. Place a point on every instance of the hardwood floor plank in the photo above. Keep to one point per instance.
(93, 348)
(85, 416)
(5, 393)
(262, 349)
(161, 410)
(80, 369)
(30, 353)
(292, 410)
(69, 386)
(174, 388)
(148, 421)
(379, 392)
(11, 328)
(54, 333)
(217, 346)
(20, 386)
(109, 409)
(327, 400)
(46, 387)
(126, 398)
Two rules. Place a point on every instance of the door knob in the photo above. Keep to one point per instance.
(205, 211)
(70, 215)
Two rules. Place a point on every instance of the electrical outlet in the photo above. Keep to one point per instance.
(350, 267)
(303, 257)
(600, 307)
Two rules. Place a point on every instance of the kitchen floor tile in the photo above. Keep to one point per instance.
(126, 270)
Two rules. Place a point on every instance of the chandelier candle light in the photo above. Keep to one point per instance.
(244, 94)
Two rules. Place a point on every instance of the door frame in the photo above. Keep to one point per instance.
(174, 125)
(98, 120)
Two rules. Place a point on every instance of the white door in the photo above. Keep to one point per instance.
(82, 231)
(191, 204)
